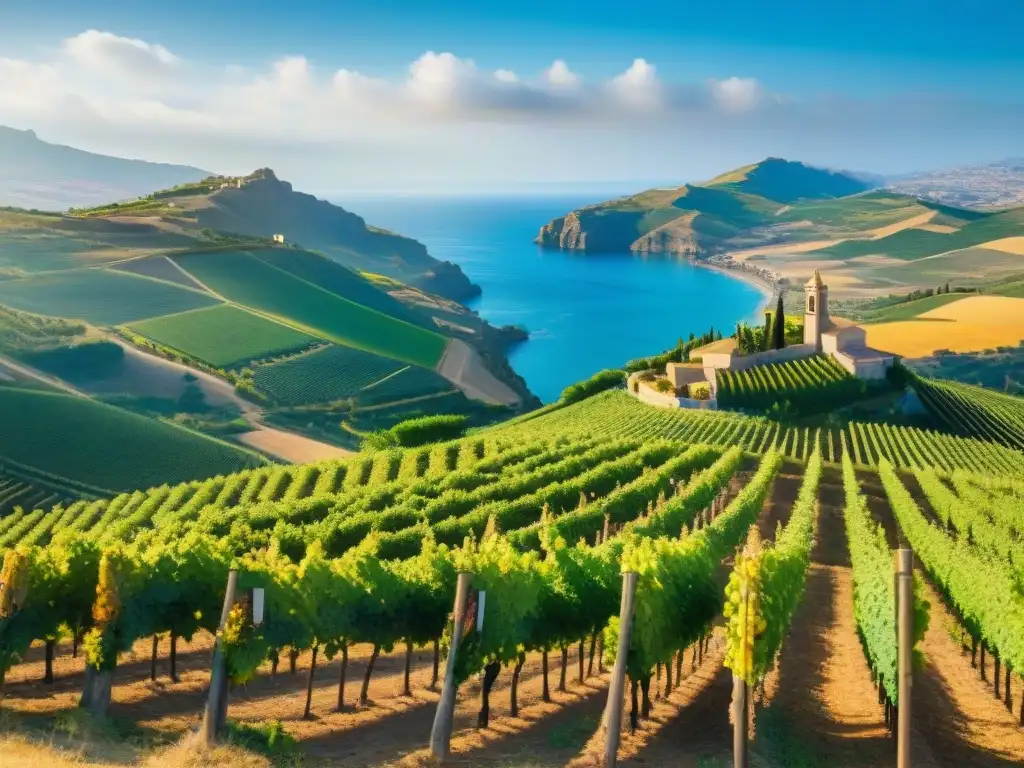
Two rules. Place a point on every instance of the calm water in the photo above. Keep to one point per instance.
(584, 313)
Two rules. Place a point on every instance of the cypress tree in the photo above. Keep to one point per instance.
(779, 326)
(766, 341)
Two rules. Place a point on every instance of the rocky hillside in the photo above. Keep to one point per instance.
(262, 205)
(698, 218)
(37, 174)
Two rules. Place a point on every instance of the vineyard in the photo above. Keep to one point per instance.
(322, 376)
(815, 384)
(245, 279)
(223, 336)
(616, 415)
(722, 520)
(100, 296)
(17, 493)
(333, 277)
(81, 444)
(974, 411)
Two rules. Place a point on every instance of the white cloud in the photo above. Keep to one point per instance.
(110, 54)
(736, 94)
(638, 86)
(110, 81)
(560, 76)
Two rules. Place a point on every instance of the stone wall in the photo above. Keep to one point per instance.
(645, 393)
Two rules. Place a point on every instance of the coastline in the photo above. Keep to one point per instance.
(768, 289)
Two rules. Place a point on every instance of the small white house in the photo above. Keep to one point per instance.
(279, 239)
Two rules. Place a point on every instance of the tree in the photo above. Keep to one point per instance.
(779, 326)
(766, 338)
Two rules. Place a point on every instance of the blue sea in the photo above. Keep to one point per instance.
(583, 312)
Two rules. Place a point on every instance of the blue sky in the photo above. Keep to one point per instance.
(881, 86)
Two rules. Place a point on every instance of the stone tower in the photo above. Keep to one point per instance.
(815, 310)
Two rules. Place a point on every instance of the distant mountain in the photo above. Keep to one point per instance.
(701, 218)
(786, 181)
(37, 174)
(996, 185)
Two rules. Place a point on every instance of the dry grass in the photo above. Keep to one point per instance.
(290, 447)
(913, 221)
(922, 338)
(1014, 245)
(942, 229)
(20, 751)
(989, 310)
(190, 753)
(811, 245)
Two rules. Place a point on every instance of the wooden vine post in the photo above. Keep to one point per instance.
(441, 733)
(216, 713)
(905, 608)
(740, 690)
(617, 685)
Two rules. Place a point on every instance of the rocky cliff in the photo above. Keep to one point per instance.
(264, 206)
(696, 219)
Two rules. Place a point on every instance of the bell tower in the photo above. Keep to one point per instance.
(815, 310)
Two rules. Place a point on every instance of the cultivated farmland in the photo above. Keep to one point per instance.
(324, 375)
(336, 278)
(411, 382)
(975, 411)
(223, 336)
(969, 325)
(81, 442)
(910, 244)
(99, 296)
(242, 278)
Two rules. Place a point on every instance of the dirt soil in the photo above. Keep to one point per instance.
(821, 692)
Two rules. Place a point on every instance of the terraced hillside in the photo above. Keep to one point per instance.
(974, 411)
(146, 269)
(384, 534)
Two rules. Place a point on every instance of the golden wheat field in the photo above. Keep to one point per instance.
(1006, 244)
(969, 325)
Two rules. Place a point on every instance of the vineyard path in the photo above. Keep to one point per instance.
(966, 726)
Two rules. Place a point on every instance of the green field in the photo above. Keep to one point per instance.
(857, 213)
(323, 376)
(223, 336)
(967, 268)
(98, 446)
(100, 297)
(411, 382)
(51, 244)
(908, 310)
(333, 277)
(245, 279)
(911, 244)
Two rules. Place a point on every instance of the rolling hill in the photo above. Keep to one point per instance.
(700, 218)
(261, 206)
(37, 174)
(781, 220)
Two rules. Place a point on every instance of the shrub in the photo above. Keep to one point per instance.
(700, 390)
(428, 429)
(600, 381)
(664, 386)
